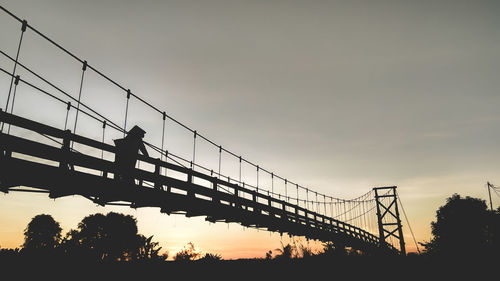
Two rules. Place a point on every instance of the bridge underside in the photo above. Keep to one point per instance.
(59, 183)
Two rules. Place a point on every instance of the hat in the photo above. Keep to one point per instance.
(136, 131)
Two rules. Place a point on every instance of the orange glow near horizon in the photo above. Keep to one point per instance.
(173, 232)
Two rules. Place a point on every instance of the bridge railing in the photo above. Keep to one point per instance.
(218, 190)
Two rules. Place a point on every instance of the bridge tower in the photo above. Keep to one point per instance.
(389, 223)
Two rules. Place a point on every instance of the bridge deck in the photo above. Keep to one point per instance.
(63, 172)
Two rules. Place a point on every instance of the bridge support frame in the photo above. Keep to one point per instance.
(389, 222)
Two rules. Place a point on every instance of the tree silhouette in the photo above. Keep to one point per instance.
(286, 252)
(187, 253)
(331, 250)
(71, 246)
(9, 253)
(42, 233)
(111, 237)
(150, 250)
(463, 226)
(90, 237)
(269, 255)
(495, 231)
(208, 257)
(305, 251)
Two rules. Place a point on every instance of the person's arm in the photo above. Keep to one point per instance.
(142, 148)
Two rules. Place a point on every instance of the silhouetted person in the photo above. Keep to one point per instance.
(127, 150)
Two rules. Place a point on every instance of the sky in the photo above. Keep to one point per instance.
(338, 96)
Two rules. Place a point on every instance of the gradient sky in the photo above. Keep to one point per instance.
(339, 96)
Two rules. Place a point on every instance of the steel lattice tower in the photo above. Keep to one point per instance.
(389, 223)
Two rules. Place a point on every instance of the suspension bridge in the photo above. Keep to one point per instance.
(38, 157)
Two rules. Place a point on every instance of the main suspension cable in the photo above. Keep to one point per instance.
(129, 93)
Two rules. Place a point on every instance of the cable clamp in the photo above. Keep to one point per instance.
(23, 27)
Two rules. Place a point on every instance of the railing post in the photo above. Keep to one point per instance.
(237, 197)
(284, 215)
(139, 180)
(190, 192)
(157, 178)
(5, 154)
(215, 196)
(297, 213)
(269, 203)
(254, 199)
(65, 151)
(1, 120)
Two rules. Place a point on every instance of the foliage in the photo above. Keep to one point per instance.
(331, 249)
(187, 253)
(208, 257)
(111, 237)
(305, 251)
(464, 227)
(150, 250)
(269, 255)
(42, 232)
(286, 252)
(9, 252)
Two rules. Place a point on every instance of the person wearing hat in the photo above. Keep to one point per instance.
(127, 150)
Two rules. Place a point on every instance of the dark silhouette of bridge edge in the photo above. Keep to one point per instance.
(61, 171)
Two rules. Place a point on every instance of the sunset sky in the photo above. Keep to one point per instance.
(338, 96)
